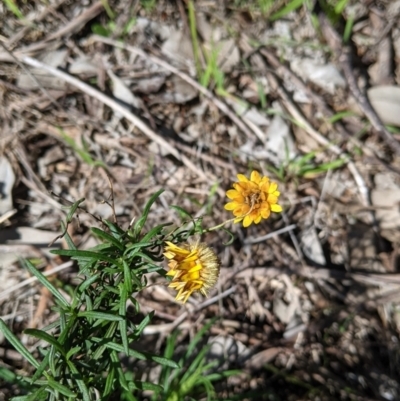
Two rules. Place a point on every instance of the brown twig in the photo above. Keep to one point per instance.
(248, 129)
(344, 54)
(117, 107)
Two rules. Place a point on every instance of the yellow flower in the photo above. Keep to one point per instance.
(194, 267)
(253, 200)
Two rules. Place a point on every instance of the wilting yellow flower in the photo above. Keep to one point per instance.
(194, 267)
(254, 199)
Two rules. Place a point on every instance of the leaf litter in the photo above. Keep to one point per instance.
(313, 311)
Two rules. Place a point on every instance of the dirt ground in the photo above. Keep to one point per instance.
(160, 94)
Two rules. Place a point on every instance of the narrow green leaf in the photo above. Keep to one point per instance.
(141, 222)
(339, 116)
(293, 5)
(117, 363)
(52, 361)
(81, 384)
(76, 254)
(144, 355)
(116, 231)
(340, 6)
(12, 6)
(45, 282)
(152, 233)
(87, 283)
(43, 366)
(100, 316)
(198, 337)
(73, 208)
(144, 323)
(348, 29)
(14, 341)
(108, 238)
(182, 211)
(67, 237)
(61, 388)
(127, 278)
(122, 324)
(109, 387)
(42, 335)
(73, 351)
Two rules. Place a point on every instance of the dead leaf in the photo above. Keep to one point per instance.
(311, 245)
(43, 78)
(386, 102)
(326, 76)
(122, 92)
(280, 145)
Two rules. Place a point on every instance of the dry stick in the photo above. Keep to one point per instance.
(117, 108)
(344, 54)
(33, 77)
(248, 130)
(297, 115)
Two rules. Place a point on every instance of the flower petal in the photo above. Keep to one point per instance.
(242, 178)
(257, 219)
(247, 220)
(232, 193)
(230, 206)
(255, 177)
(265, 213)
(273, 186)
(272, 199)
(276, 208)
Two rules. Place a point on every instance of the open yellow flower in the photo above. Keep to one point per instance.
(253, 200)
(194, 267)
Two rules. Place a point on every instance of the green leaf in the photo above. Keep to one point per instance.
(117, 232)
(67, 237)
(117, 364)
(144, 355)
(141, 222)
(127, 278)
(61, 388)
(109, 383)
(14, 341)
(108, 238)
(41, 368)
(81, 384)
(153, 232)
(14, 9)
(100, 316)
(87, 283)
(42, 335)
(91, 256)
(122, 324)
(73, 208)
(293, 5)
(43, 280)
(144, 323)
(198, 337)
(73, 351)
(182, 211)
